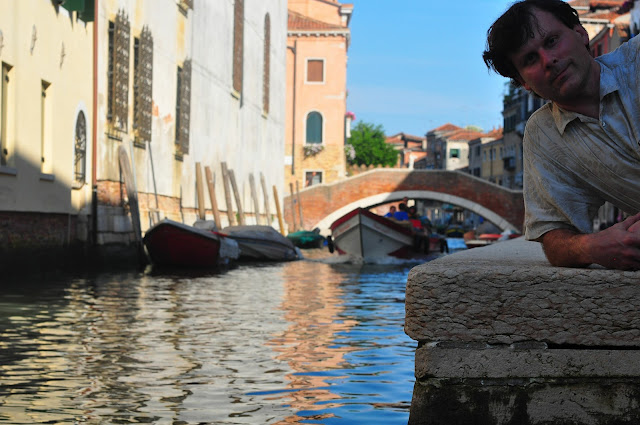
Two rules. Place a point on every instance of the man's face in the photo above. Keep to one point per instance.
(554, 63)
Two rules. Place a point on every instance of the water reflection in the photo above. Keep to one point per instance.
(273, 344)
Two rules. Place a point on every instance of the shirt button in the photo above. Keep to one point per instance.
(604, 124)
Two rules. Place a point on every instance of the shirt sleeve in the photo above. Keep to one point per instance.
(555, 197)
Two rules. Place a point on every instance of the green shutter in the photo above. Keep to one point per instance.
(88, 12)
(73, 5)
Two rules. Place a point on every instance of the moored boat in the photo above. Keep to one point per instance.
(363, 234)
(170, 243)
(258, 242)
(306, 239)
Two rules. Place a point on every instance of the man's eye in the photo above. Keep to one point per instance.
(552, 40)
(529, 60)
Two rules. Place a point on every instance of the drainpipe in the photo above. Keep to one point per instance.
(293, 122)
(94, 136)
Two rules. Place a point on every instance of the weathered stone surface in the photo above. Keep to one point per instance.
(506, 362)
(508, 293)
(525, 402)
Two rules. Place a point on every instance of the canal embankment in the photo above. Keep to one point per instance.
(505, 338)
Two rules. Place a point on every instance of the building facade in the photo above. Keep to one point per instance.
(317, 43)
(215, 94)
(46, 106)
(132, 99)
(412, 150)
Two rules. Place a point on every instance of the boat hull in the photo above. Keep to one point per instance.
(170, 243)
(262, 243)
(364, 234)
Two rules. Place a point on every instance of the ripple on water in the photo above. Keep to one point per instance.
(313, 341)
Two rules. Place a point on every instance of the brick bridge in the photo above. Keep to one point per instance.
(323, 204)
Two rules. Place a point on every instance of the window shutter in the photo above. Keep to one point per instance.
(185, 107)
(314, 128)
(144, 86)
(120, 95)
(267, 64)
(238, 32)
(315, 72)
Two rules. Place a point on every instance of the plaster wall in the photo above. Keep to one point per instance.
(41, 43)
(230, 128)
(225, 126)
(463, 155)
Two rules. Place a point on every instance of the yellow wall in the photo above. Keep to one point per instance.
(42, 43)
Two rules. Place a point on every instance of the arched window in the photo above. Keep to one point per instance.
(314, 128)
(266, 70)
(238, 35)
(80, 149)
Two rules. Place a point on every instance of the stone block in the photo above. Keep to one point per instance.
(508, 293)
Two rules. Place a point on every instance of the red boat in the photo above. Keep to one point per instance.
(364, 234)
(170, 243)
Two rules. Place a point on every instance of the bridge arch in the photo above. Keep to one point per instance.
(383, 198)
(322, 204)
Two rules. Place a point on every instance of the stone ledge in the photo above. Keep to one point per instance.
(508, 293)
(507, 363)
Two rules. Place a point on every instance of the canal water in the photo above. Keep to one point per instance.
(316, 341)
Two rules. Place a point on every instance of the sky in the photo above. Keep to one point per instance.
(414, 65)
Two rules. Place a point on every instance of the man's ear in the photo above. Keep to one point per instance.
(583, 34)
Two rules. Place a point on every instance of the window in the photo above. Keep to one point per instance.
(118, 72)
(5, 157)
(315, 70)
(314, 128)
(238, 35)
(45, 128)
(142, 87)
(312, 177)
(454, 153)
(183, 107)
(80, 149)
(266, 66)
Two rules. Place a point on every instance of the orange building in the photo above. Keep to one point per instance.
(317, 42)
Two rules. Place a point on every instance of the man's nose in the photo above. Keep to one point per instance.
(547, 58)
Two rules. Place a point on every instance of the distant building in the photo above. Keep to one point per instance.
(318, 38)
(634, 19)
(606, 22)
(448, 147)
(411, 150)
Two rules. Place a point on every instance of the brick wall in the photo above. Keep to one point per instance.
(320, 201)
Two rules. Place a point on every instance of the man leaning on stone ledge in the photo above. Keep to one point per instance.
(583, 148)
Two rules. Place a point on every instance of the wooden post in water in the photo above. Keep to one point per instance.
(266, 199)
(232, 177)
(299, 206)
(293, 207)
(227, 193)
(212, 195)
(254, 195)
(200, 192)
(277, 200)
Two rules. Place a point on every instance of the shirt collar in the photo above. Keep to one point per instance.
(608, 84)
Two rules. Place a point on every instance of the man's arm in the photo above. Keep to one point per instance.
(617, 247)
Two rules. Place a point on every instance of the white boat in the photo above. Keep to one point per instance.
(364, 234)
(258, 242)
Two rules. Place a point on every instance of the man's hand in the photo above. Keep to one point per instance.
(617, 247)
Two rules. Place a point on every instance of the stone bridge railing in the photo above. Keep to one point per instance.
(504, 338)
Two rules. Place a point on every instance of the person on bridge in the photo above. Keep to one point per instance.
(582, 149)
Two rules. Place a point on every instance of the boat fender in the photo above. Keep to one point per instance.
(330, 244)
(444, 246)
